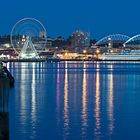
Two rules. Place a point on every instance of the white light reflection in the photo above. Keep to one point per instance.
(97, 105)
(33, 102)
(84, 102)
(66, 113)
(8, 65)
(23, 92)
(58, 94)
(97, 67)
(23, 100)
(111, 107)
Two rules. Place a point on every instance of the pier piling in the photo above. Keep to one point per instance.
(4, 112)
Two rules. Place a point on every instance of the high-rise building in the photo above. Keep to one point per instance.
(80, 39)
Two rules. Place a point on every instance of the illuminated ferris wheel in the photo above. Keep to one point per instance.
(28, 37)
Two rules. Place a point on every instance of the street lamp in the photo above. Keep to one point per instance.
(84, 51)
(97, 51)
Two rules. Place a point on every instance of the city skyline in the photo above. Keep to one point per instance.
(69, 69)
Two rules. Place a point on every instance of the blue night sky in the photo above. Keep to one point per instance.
(62, 17)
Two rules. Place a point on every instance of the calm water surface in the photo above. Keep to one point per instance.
(74, 101)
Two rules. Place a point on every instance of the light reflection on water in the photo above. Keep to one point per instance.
(58, 96)
(23, 97)
(111, 106)
(66, 111)
(84, 102)
(97, 105)
(74, 100)
(33, 103)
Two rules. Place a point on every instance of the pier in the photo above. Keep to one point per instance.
(4, 99)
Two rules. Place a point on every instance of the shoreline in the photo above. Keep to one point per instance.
(62, 60)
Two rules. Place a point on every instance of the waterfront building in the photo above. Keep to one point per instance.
(73, 55)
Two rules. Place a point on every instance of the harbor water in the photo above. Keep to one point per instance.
(75, 100)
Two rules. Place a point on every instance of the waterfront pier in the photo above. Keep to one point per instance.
(4, 112)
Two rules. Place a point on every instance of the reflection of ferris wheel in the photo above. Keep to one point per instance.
(28, 28)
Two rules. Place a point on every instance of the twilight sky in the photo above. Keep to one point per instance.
(62, 17)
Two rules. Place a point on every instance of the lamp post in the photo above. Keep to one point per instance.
(110, 43)
(84, 51)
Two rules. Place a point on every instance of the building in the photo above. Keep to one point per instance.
(80, 39)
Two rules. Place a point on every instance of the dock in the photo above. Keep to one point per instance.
(24, 60)
(4, 100)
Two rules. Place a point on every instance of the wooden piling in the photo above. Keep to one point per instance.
(4, 112)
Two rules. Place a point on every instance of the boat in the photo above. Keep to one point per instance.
(124, 55)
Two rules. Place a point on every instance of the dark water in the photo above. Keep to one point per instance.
(74, 101)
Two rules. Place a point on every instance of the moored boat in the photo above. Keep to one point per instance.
(124, 55)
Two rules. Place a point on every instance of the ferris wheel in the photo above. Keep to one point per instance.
(28, 30)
